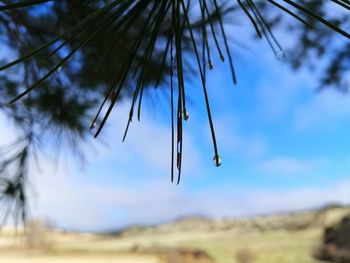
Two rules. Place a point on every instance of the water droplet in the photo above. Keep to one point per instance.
(185, 115)
(210, 65)
(178, 147)
(93, 126)
(217, 160)
(280, 55)
(59, 69)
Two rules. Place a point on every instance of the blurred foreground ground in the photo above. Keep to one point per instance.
(290, 238)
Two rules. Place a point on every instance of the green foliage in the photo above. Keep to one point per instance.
(336, 243)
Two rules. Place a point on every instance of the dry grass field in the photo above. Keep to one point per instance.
(271, 239)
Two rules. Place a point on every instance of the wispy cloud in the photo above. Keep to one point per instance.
(232, 140)
(301, 198)
(288, 165)
(148, 143)
(280, 91)
(8, 132)
(327, 107)
(69, 201)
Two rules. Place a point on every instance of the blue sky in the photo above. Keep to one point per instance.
(283, 147)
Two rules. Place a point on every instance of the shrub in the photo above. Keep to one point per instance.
(36, 236)
(245, 255)
(336, 243)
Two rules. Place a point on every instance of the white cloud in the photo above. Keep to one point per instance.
(288, 165)
(231, 140)
(327, 107)
(8, 132)
(283, 94)
(148, 141)
(105, 193)
(302, 198)
(280, 90)
(84, 204)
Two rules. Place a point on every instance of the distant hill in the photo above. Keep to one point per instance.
(320, 217)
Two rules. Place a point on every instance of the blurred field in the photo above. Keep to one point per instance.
(288, 238)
